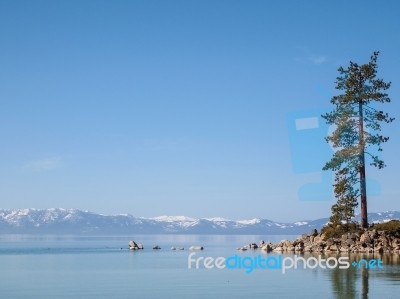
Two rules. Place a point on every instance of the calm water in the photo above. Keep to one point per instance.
(97, 267)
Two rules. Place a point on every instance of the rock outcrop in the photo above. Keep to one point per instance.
(367, 241)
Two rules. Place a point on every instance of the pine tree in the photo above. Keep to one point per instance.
(358, 123)
(343, 209)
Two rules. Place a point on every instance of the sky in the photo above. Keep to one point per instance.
(196, 108)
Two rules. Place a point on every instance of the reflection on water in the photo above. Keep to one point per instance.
(365, 282)
(355, 282)
(343, 283)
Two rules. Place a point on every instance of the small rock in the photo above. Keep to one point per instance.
(196, 248)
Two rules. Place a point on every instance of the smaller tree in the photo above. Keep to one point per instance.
(343, 209)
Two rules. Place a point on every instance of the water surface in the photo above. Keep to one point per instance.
(103, 267)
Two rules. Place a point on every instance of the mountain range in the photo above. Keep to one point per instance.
(73, 221)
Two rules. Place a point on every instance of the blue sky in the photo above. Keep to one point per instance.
(181, 107)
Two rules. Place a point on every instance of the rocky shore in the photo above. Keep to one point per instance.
(368, 241)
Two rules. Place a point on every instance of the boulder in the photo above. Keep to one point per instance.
(365, 238)
(196, 248)
(303, 236)
(344, 248)
(318, 239)
(308, 248)
(134, 246)
(330, 242)
(333, 247)
(267, 247)
(253, 246)
(286, 244)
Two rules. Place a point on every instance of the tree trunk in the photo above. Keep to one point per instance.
(363, 185)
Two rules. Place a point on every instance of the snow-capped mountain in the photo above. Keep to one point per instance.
(72, 221)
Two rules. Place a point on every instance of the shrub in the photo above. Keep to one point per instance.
(333, 230)
(392, 227)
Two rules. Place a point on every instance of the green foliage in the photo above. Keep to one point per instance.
(343, 209)
(353, 108)
(337, 230)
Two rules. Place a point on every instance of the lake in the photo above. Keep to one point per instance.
(103, 267)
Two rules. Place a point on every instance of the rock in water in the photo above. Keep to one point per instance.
(196, 248)
(253, 246)
(156, 247)
(134, 246)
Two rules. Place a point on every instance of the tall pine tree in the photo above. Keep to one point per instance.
(358, 124)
